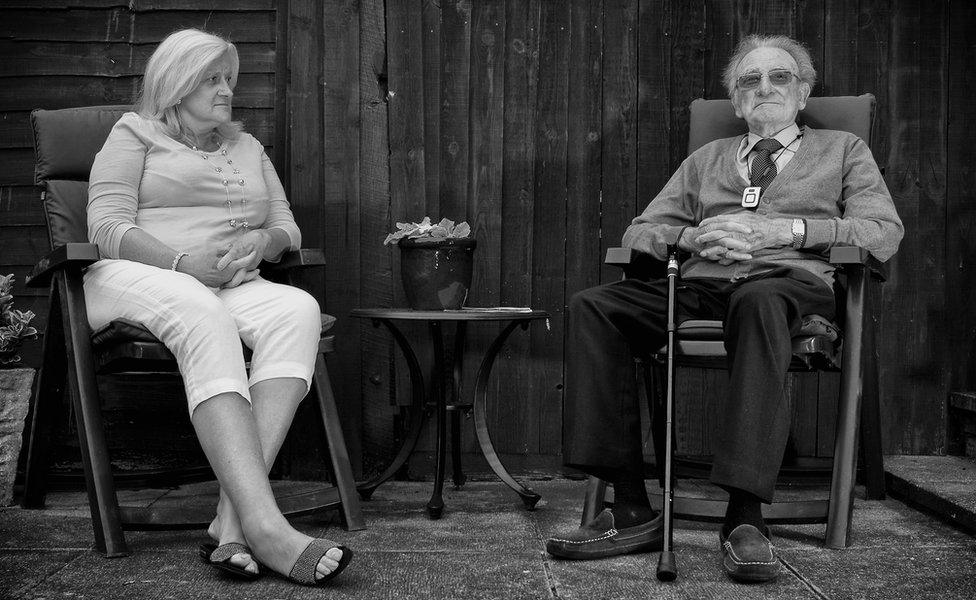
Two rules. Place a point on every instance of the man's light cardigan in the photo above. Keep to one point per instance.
(832, 182)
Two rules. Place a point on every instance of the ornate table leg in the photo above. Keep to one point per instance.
(529, 498)
(459, 332)
(435, 507)
(417, 410)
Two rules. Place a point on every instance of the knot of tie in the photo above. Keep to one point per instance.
(768, 145)
(763, 168)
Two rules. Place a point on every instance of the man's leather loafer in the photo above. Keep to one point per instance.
(600, 539)
(748, 555)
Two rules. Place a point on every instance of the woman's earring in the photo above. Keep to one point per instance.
(180, 101)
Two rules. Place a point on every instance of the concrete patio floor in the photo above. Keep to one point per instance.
(487, 546)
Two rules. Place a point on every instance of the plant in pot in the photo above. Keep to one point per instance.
(15, 385)
(435, 263)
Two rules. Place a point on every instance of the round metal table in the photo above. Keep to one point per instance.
(439, 392)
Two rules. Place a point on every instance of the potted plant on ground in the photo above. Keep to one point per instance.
(435, 263)
(15, 385)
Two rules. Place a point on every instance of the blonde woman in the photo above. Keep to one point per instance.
(184, 205)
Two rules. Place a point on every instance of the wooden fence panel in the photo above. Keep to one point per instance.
(961, 199)
(546, 125)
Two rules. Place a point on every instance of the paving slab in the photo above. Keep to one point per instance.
(888, 573)
(40, 530)
(23, 570)
(944, 485)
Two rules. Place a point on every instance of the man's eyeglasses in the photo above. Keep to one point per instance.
(751, 81)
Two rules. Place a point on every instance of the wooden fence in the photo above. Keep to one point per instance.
(547, 125)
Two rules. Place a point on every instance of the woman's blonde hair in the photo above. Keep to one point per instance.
(177, 66)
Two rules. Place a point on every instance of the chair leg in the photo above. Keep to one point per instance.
(341, 469)
(848, 412)
(596, 493)
(871, 450)
(844, 469)
(48, 394)
(102, 500)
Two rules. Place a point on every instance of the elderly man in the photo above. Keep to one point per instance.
(757, 213)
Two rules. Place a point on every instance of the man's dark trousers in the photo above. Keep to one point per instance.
(608, 324)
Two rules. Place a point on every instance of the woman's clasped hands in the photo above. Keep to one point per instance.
(232, 265)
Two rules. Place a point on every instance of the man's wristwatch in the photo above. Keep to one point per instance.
(799, 230)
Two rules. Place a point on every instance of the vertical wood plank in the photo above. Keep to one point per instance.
(407, 160)
(431, 21)
(518, 416)
(376, 180)
(486, 118)
(486, 127)
(340, 225)
(281, 131)
(916, 178)
(721, 36)
(619, 127)
(961, 197)
(549, 221)
(653, 102)
(838, 71)
(584, 256)
(809, 28)
(766, 17)
(686, 74)
(454, 103)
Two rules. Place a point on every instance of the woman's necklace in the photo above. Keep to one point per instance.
(234, 222)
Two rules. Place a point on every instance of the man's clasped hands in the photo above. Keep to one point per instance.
(733, 237)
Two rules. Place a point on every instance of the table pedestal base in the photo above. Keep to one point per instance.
(421, 409)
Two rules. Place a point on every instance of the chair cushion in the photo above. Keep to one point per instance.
(712, 120)
(65, 204)
(66, 140)
(817, 346)
(710, 330)
(124, 330)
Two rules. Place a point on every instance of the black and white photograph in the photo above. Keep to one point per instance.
(487, 299)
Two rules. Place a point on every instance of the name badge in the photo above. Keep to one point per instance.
(750, 197)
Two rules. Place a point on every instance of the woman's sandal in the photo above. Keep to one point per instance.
(304, 569)
(219, 558)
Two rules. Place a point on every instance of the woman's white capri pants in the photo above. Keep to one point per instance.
(204, 327)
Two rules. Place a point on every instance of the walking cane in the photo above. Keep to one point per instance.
(667, 570)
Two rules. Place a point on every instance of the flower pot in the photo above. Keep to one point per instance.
(436, 273)
(15, 392)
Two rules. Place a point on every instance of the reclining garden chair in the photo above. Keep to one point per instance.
(845, 346)
(65, 143)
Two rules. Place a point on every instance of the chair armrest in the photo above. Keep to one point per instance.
(847, 257)
(296, 259)
(71, 255)
(636, 264)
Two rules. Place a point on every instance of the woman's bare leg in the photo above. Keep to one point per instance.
(273, 404)
(228, 432)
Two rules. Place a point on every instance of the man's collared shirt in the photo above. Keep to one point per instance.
(790, 138)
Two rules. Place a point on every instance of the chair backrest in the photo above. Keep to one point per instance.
(715, 119)
(65, 144)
